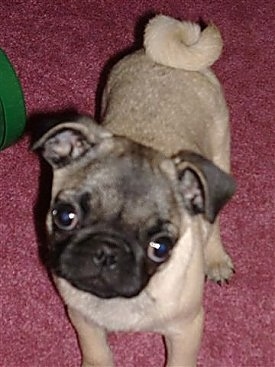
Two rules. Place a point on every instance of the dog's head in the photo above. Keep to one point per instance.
(117, 207)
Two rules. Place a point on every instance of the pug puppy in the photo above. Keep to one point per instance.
(132, 225)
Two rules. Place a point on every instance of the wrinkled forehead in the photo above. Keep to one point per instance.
(131, 186)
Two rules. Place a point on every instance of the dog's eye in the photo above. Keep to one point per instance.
(159, 249)
(65, 216)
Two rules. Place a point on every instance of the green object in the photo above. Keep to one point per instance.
(12, 106)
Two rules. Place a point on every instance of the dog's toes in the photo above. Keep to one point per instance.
(220, 271)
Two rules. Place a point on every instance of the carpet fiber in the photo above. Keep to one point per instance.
(59, 49)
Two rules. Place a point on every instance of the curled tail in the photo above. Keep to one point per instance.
(182, 45)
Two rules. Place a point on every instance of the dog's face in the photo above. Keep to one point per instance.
(117, 207)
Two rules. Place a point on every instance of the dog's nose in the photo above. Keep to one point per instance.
(106, 256)
(105, 266)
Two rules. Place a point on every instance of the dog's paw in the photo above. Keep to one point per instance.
(95, 364)
(220, 270)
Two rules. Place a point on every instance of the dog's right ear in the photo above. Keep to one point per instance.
(71, 140)
(204, 187)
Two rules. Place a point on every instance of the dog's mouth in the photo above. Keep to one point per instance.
(103, 265)
(103, 288)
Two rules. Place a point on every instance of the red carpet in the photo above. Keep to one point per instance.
(59, 49)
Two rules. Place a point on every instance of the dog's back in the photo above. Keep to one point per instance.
(165, 96)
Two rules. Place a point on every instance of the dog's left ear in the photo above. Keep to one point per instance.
(205, 188)
(70, 140)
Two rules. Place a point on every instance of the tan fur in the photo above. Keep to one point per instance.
(183, 107)
(171, 305)
(164, 97)
(182, 44)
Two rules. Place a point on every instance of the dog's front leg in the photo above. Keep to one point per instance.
(183, 342)
(92, 341)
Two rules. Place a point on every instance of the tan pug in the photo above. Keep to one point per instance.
(133, 225)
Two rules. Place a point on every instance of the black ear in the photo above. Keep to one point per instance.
(205, 188)
(70, 140)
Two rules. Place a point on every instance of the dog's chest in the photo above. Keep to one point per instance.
(168, 292)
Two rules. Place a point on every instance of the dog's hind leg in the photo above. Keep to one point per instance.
(219, 266)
